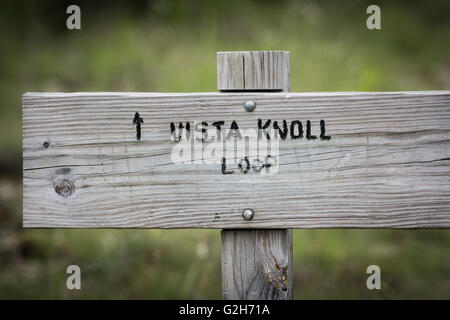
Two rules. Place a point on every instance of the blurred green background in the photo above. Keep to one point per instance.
(171, 46)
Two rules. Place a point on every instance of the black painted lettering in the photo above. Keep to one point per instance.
(178, 136)
(200, 127)
(283, 133)
(234, 131)
(257, 165)
(262, 128)
(247, 165)
(322, 131)
(224, 167)
(269, 161)
(218, 125)
(299, 126)
(308, 131)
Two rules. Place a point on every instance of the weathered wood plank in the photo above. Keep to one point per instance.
(253, 70)
(266, 275)
(387, 163)
(256, 264)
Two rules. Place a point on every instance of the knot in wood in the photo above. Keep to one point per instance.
(65, 188)
(278, 277)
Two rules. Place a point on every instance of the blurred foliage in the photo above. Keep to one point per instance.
(170, 46)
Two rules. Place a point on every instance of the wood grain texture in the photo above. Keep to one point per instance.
(387, 163)
(253, 70)
(256, 264)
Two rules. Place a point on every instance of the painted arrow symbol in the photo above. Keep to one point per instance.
(137, 121)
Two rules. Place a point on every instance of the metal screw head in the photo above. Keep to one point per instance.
(249, 106)
(46, 144)
(248, 214)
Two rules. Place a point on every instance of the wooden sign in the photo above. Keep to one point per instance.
(113, 160)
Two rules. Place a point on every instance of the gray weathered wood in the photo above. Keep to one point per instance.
(253, 70)
(387, 163)
(257, 264)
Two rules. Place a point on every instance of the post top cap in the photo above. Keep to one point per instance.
(253, 70)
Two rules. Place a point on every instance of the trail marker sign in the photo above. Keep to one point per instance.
(383, 161)
(162, 160)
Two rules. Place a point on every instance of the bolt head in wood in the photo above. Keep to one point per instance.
(65, 188)
(248, 214)
(249, 106)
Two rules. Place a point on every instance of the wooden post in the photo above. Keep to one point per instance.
(256, 264)
(372, 160)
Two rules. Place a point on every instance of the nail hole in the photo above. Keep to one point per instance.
(46, 144)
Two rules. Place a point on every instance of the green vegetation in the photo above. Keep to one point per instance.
(171, 46)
